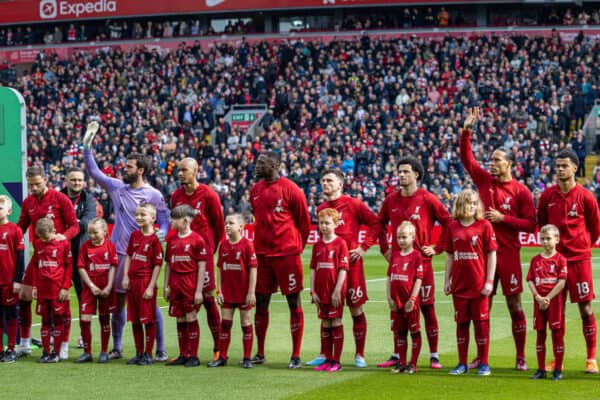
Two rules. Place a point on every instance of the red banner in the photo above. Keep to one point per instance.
(19, 11)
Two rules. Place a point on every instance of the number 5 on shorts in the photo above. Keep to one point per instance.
(292, 282)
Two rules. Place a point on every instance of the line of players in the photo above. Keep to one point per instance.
(282, 226)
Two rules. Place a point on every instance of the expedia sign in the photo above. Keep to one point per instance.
(51, 9)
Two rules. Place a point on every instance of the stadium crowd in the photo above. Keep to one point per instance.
(357, 106)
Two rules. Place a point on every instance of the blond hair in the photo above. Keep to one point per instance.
(460, 204)
(237, 217)
(148, 206)
(99, 221)
(407, 226)
(550, 229)
(44, 227)
(4, 199)
(331, 213)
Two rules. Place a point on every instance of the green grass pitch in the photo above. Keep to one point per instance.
(27, 379)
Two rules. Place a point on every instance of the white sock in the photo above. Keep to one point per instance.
(26, 342)
(434, 355)
(64, 346)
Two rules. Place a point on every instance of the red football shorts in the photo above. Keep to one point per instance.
(356, 292)
(466, 309)
(403, 321)
(284, 272)
(579, 281)
(91, 304)
(140, 310)
(209, 275)
(241, 306)
(327, 311)
(181, 297)
(49, 307)
(7, 296)
(428, 285)
(554, 315)
(508, 272)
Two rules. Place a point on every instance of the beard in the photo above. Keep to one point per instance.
(129, 178)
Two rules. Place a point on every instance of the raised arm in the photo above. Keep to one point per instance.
(109, 184)
(466, 151)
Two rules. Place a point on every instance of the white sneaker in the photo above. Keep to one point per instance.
(64, 351)
(23, 350)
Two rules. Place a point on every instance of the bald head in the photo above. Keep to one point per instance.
(187, 172)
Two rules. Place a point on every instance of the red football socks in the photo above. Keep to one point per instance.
(482, 337)
(589, 332)
(416, 347)
(519, 331)
(193, 337)
(297, 329)
(138, 337)
(431, 326)
(213, 318)
(225, 337)
(359, 330)
(558, 346)
(104, 331)
(25, 318)
(182, 339)
(261, 323)
(326, 343)
(247, 339)
(86, 335)
(59, 326)
(540, 349)
(400, 338)
(338, 342)
(462, 341)
(150, 329)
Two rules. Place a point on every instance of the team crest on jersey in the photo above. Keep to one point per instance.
(4, 235)
(54, 251)
(331, 253)
(278, 207)
(573, 211)
(198, 208)
(415, 215)
(238, 255)
(146, 247)
(405, 266)
(552, 268)
(340, 219)
(186, 248)
(50, 214)
(106, 255)
(506, 205)
(474, 240)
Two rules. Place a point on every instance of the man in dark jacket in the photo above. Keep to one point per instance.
(85, 210)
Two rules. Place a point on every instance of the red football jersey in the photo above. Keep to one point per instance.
(145, 252)
(402, 273)
(208, 222)
(327, 260)
(184, 253)
(52, 267)
(282, 221)
(469, 247)
(97, 260)
(11, 242)
(235, 261)
(545, 272)
(422, 209)
(575, 214)
(353, 214)
(510, 198)
(52, 204)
